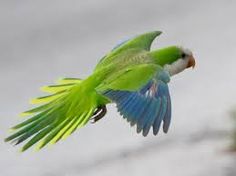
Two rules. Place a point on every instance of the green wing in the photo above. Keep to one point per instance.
(141, 42)
(142, 97)
(123, 80)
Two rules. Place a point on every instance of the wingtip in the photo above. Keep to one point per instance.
(165, 130)
(145, 134)
(139, 129)
(157, 33)
(155, 132)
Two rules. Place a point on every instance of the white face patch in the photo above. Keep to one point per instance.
(176, 67)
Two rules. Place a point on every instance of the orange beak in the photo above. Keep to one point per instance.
(191, 62)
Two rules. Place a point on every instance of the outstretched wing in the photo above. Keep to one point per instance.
(142, 42)
(146, 103)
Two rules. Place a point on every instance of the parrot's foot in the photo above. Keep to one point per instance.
(99, 113)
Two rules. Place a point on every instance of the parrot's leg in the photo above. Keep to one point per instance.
(99, 113)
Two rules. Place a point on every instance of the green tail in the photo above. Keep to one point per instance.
(69, 107)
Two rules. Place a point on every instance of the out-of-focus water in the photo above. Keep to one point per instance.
(43, 40)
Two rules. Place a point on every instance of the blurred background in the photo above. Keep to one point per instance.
(42, 40)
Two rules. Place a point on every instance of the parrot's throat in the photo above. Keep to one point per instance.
(176, 67)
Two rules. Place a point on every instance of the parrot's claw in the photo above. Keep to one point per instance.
(99, 114)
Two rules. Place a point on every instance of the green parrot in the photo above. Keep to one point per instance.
(130, 75)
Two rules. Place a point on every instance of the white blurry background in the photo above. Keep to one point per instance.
(42, 40)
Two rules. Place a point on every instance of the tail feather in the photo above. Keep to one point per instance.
(60, 114)
(69, 81)
(48, 98)
(62, 84)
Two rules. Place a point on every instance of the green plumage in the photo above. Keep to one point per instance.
(73, 101)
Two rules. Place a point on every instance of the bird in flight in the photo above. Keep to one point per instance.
(131, 75)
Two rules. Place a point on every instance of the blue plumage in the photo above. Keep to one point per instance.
(147, 107)
(144, 114)
(150, 120)
(138, 108)
(131, 109)
(125, 107)
(160, 117)
(167, 117)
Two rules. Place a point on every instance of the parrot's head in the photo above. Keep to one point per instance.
(174, 59)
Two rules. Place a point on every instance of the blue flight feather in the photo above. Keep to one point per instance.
(158, 120)
(142, 119)
(151, 119)
(138, 111)
(148, 106)
(167, 118)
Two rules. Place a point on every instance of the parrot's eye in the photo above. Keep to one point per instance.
(183, 55)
